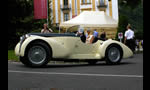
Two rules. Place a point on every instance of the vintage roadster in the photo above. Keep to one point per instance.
(37, 49)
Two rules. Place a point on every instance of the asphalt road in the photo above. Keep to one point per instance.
(126, 76)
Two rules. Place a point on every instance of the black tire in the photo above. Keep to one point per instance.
(37, 54)
(113, 54)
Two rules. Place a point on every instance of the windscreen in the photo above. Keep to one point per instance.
(73, 29)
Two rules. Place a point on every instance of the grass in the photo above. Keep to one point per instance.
(12, 56)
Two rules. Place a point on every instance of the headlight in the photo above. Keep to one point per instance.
(27, 35)
(22, 38)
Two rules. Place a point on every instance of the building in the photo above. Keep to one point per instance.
(63, 10)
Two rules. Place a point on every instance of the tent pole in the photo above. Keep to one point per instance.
(47, 14)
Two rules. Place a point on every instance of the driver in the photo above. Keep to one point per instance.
(81, 34)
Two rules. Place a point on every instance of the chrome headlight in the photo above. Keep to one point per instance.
(22, 38)
(27, 35)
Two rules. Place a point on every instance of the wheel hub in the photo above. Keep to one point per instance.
(114, 54)
(37, 54)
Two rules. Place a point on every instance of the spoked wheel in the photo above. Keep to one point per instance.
(37, 55)
(113, 54)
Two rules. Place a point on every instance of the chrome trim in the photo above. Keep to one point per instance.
(22, 39)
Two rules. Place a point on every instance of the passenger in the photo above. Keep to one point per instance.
(103, 36)
(81, 34)
(46, 29)
(95, 36)
(90, 37)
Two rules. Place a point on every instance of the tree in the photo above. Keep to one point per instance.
(131, 14)
(21, 21)
(131, 3)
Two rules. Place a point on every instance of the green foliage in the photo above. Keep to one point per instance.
(130, 3)
(12, 56)
(123, 22)
(21, 20)
(132, 15)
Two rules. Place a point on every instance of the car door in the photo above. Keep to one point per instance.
(86, 51)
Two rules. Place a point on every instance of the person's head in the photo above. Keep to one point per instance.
(45, 26)
(88, 31)
(80, 31)
(103, 31)
(128, 26)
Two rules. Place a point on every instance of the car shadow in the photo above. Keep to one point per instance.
(68, 65)
(83, 65)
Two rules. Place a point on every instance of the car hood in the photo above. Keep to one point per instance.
(53, 34)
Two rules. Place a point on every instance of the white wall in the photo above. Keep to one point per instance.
(115, 9)
(70, 5)
(62, 18)
(56, 11)
(107, 9)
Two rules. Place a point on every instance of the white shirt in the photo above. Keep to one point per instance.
(46, 31)
(88, 39)
(129, 34)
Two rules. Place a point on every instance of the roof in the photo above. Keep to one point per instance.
(91, 19)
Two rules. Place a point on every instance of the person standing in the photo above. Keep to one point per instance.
(129, 38)
(46, 29)
(95, 34)
(103, 36)
(142, 43)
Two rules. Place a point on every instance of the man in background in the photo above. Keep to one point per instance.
(129, 38)
(46, 29)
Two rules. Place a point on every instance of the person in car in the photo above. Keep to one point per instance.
(103, 35)
(95, 33)
(90, 37)
(81, 34)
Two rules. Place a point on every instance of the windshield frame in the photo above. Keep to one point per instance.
(70, 29)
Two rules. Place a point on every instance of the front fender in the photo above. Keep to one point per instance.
(21, 46)
(58, 48)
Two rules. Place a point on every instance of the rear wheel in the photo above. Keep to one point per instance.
(37, 54)
(113, 54)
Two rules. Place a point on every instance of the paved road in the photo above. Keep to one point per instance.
(126, 76)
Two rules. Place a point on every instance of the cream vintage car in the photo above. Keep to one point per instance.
(37, 49)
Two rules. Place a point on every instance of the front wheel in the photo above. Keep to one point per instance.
(37, 55)
(113, 54)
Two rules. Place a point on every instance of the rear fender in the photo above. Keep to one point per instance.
(126, 51)
(104, 46)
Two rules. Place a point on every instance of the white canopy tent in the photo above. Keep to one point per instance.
(91, 19)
